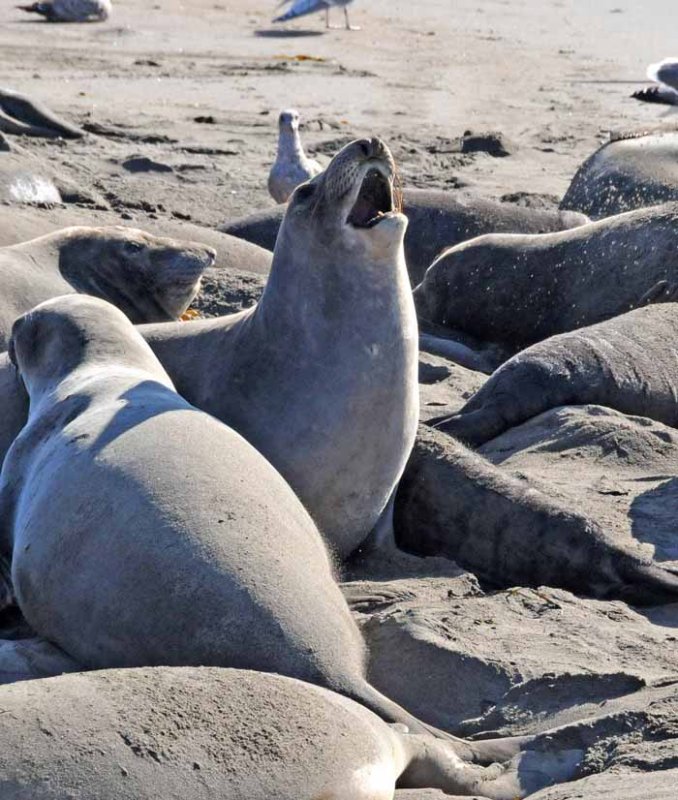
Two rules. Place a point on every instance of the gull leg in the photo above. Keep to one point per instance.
(349, 27)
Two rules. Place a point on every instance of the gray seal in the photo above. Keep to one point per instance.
(633, 170)
(516, 290)
(22, 115)
(321, 375)
(511, 531)
(437, 220)
(204, 733)
(151, 279)
(629, 363)
(191, 549)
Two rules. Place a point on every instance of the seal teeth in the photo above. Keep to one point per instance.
(375, 199)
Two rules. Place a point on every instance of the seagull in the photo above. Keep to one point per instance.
(292, 166)
(71, 10)
(299, 8)
(665, 75)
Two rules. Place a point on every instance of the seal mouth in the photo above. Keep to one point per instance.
(374, 201)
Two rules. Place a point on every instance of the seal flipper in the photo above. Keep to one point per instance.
(486, 751)
(37, 118)
(648, 584)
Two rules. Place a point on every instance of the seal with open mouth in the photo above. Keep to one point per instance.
(321, 375)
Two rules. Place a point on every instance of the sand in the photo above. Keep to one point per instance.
(185, 97)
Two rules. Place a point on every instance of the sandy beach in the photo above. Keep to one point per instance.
(182, 100)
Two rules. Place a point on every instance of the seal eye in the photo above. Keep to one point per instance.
(375, 199)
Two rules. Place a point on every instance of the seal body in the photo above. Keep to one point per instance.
(633, 171)
(204, 733)
(517, 289)
(150, 278)
(179, 510)
(292, 166)
(437, 220)
(629, 363)
(321, 376)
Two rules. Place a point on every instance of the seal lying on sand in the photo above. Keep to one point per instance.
(186, 732)
(454, 503)
(629, 363)
(331, 344)
(71, 10)
(292, 166)
(437, 220)
(631, 171)
(149, 278)
(178, 544)
(517, 289)
(21, 115)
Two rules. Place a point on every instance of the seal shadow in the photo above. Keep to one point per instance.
(653, 520)
(274, 33)
(144, 401)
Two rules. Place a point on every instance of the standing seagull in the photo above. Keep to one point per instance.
(292, 166)
(71, 10)
(665, 73)
(299, 8)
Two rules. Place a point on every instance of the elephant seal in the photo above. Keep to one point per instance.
(633, 170)
(292, 166)
(511, 532)
(22, 115)
(149, 278)
(178, 544)
(629, 363)
(331, 344)
(71, 10)
(140, 734)
(515, 290)
(437, 220)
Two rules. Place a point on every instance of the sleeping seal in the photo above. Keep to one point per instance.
(437, 220)
(204, 733)
(632, 171)
(149, 278)
(22, 115)
(190, 548)
(515, 289)
(629, 363)
(513, 531)
(330, 348)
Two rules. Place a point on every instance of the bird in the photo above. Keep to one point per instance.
(299, 8)
(71, 10)
(665, 75)
(292, 166)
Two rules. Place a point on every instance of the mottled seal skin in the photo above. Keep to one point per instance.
(629, 363)
(452, 502)
(204, 733)
(516, 290)
(634, 171)
(437, 220)
(331, 347)
(151, 279)
(191, 549)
